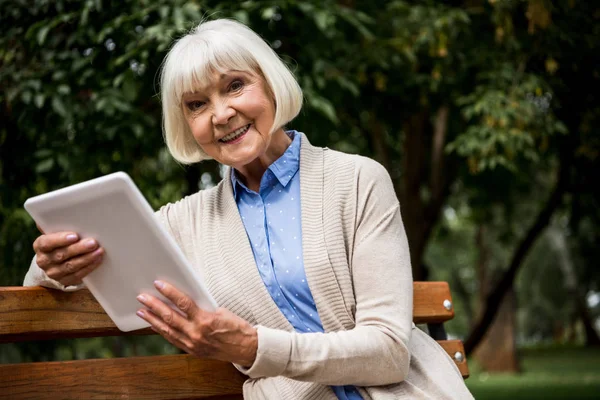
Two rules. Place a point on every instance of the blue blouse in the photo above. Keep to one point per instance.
(272, 218)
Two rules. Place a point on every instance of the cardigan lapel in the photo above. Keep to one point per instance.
(236, 246)
(319, 271)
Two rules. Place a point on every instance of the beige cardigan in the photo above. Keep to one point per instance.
(358, 268)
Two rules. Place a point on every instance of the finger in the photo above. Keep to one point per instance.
(47, 243)
(181, 300)
(174, 336)
(78, 248)
(73, 265)
(76, 278)
(165, 313)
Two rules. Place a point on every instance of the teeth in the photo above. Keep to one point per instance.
(235, 134)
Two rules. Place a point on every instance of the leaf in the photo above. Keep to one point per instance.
(45, 166)
(63, 89)
(26, 97)
(43, 153)
(63, 161)
(268, 13)
(42, 33)
(322, 20)
(58, 106)
(39, 100)
(323, 106)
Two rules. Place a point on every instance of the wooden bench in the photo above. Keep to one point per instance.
(38, 313)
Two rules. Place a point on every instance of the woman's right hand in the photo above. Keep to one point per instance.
(66, 258)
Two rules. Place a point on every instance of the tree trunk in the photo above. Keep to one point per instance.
(423, 152)
(497, 351)
(497, 294)
(482, 260)
(422, 201)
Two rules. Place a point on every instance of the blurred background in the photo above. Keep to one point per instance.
(485, 113)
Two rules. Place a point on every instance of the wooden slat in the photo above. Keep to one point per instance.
(38, 313)
(456, 346)
(157, 377)
(152, 378)
(428, 302)
(33, 313)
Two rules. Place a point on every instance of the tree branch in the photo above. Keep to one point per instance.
(494, 299)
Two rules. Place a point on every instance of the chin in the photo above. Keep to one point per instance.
(241, 160)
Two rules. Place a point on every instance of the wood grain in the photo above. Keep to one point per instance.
(28, 313)
(428, 302)
(152, 378)
(456, 346)
(33, 313)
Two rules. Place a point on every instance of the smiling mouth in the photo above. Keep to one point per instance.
(235, 134)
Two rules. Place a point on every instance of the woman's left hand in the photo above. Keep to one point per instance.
(221, 335)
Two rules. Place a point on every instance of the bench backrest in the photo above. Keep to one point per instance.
(39, 313)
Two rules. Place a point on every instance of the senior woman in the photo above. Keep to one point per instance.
(303, 247)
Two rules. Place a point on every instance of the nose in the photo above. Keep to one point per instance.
(222, 113)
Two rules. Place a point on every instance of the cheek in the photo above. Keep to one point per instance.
(200, 128)
(266, 110)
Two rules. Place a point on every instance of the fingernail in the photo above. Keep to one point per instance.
(90, 243)
(71, 237)
(97, 252)
(159, 284)
(142, 298)
(140, 313)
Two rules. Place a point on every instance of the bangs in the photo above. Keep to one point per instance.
(197, 61)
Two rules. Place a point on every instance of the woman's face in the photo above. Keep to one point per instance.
(231, 117)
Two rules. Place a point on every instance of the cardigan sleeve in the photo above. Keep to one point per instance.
(37, 277)
(375, 351)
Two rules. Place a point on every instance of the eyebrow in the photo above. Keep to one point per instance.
(220, 78)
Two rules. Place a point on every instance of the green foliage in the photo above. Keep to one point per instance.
(509, 115)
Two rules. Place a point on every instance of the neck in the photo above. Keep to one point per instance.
(252, 173)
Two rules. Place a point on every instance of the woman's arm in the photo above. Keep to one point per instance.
(375, 352)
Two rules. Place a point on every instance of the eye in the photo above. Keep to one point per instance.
(194, 105)
(236, 85)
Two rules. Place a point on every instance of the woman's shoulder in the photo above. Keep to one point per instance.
(357, 178)
(361, 167)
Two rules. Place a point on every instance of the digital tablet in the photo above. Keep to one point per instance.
(138, 250)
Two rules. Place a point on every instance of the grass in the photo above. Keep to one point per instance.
(550, 373)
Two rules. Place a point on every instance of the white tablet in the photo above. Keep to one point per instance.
(138, 250)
